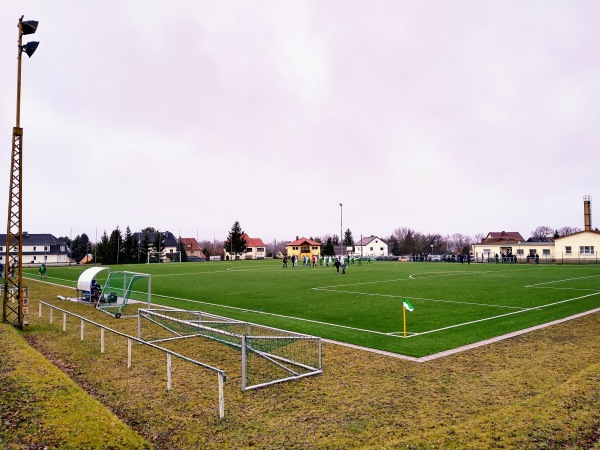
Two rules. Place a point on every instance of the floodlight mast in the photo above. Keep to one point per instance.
(16, 302)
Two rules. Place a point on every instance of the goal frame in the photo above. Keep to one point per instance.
(210, 326)
(126, 281)
(162, 257)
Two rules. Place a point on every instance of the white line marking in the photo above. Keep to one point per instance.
(270, 314)
(560, 281)
(417, 298)
(507, 314)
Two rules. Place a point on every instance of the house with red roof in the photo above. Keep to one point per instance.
(192, 248)
(303, 247)
(255, 249)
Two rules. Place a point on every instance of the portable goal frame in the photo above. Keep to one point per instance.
(269, 355)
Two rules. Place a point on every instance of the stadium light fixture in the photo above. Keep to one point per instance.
(30, 48)
(16, 302)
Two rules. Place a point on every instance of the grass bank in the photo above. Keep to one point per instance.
(539, 390)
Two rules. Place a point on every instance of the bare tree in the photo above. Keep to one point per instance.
(565, 231)
(542, 232)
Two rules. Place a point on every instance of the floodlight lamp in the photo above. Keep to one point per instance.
(29, 26)
(30, 48)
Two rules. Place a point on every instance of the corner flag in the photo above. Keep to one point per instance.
(406, 305)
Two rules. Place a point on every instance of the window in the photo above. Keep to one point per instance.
(568, 249)
(546, 252)
(532, 252)
(315, 249)
(520, 251)
(371, 248)
(62, 248)
(34, 249)
(260, 249)
(34, 258)
(45, 248)
(381, 248)
(586, 250)
(294, 248)
(305, 249)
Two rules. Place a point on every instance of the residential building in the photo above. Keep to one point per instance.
(371, 246)
(169, 242)
(192, 248)
(38, 249)
(255, 249)
(303, 247)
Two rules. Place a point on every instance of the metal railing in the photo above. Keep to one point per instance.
(169, 354)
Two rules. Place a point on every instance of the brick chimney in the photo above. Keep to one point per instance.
(587, 212)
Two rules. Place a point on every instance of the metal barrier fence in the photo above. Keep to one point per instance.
(130, 339)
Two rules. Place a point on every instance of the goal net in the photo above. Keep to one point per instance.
(121, 288)
(161, 257)
(269, 355)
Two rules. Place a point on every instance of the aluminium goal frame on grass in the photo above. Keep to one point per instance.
(280, 355)
(118, 290)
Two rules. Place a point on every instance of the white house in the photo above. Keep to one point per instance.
(38, 249)
(371, 246)
(255, 249)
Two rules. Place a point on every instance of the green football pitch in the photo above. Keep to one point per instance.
(454, 304)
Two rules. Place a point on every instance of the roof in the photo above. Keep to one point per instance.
(303, 240)
(169, 238)
(500, 236)
(37, 239)
(253, 242)
(579, 232)
(366, 240)
(190, 244)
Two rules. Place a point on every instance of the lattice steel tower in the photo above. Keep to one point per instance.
(16, 301)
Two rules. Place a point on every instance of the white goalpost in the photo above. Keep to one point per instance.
(162, 257)
(122, 287)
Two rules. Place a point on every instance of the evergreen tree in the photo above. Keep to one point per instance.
(115, 243)
(328, 249)
(181, 248)
(144, 247)
(102, 249)
(129, 251)
(348, 239)
(235, 242)
(159, 242)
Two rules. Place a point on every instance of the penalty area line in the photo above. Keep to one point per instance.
(505, 315)
(301, 319)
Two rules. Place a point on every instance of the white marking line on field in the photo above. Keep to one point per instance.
(186, 274)
(417, 298)
(270, 314)
(418, 276)
(504, 315)
(560, 281)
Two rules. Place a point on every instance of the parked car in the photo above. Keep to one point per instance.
(195, 259)
(437, 258)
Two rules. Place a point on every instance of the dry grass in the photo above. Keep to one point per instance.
(539, 390)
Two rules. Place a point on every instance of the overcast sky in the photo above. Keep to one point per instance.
(446, 117)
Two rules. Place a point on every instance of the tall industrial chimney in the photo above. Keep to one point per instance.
(587, 212)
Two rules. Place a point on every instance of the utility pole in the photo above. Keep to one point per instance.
(16, 298)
